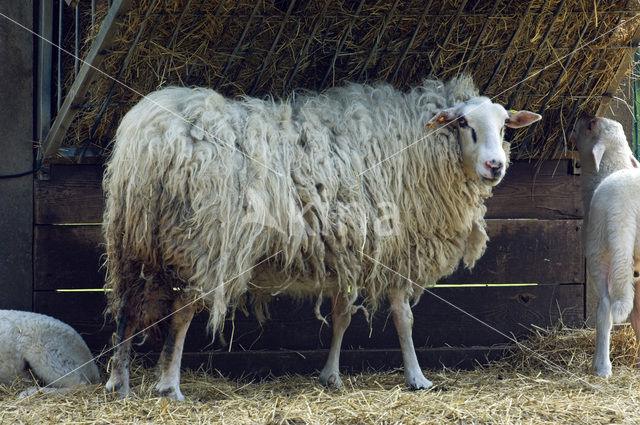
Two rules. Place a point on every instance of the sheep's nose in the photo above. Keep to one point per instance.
(495, 167)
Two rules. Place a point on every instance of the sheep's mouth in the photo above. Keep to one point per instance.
(490, 181)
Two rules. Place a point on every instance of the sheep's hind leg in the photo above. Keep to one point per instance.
(341, 317)
(403, 319)
(126, 327)
(169, 383)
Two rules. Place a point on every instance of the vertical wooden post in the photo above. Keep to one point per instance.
(16, 154)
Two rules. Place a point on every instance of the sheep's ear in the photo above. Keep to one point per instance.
(519, 119)
(635, 162)
(597, 151)
(444, 117)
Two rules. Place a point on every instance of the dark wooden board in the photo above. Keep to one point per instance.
(264, 364)
(67, 257)
(530, 190)
(520, 251)
(505, 311)
(73, 193)
(528, 251)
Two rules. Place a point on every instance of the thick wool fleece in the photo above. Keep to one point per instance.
(200, 188)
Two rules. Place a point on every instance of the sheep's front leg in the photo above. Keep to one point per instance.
(341, 316)
(604, 323)
(169, 383)
(598, 277)
(126, 327)
(403, 319)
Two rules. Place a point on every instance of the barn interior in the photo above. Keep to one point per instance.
(517, 346)
(559, 58)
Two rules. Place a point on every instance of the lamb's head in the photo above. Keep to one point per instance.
(481, 125)
(594, 137)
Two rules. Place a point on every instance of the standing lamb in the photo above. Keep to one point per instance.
(210, 198)
(51, 349)
(610, 191)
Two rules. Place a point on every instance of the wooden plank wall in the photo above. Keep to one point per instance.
(531, 274)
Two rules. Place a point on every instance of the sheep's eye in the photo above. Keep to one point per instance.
(462, 123)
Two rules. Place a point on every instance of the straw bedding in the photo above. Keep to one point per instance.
(554, 57)
(518, 389)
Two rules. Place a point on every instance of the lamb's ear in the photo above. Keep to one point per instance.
(519, 119)
(597, 151)
(634, 162)
(445, 116)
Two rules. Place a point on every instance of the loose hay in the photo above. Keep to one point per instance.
(518, 389)
(261, 47)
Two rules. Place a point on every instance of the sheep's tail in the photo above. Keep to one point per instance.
(621, 287)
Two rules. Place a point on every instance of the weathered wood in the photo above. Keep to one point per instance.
(83, 80)
(549, 192)
(16, 152)
(509, 310)
(528, 251)
(73, 194)
(262, 364)
(519, 251)
(67, 257)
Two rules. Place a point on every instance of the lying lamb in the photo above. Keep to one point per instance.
(313, 197)
(52, 350)
(611, 195)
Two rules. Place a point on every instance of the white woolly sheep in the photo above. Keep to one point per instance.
(310, 197)
(51, 349)
(610, 188)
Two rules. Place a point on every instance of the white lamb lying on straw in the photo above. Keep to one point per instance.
(51, 349)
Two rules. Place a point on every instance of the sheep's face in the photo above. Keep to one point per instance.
(481, 125)
(593, 136)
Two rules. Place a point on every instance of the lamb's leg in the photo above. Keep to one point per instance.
(341, 316)
(171, 356)
(599, 277)
(403, 319)
(126, 327)
(604, 323)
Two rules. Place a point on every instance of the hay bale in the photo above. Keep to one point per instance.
(261, 47)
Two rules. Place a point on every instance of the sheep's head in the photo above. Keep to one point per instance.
(481, 125)
(594, 136)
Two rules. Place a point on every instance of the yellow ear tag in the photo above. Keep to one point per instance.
(513, 111)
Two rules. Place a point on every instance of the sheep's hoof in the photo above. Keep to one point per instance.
(170, 392)
(416, 383)
(113, 386)
(601, 368)
(331, 379)
(603, 372)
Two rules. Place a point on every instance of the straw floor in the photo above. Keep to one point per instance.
(521, 388)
